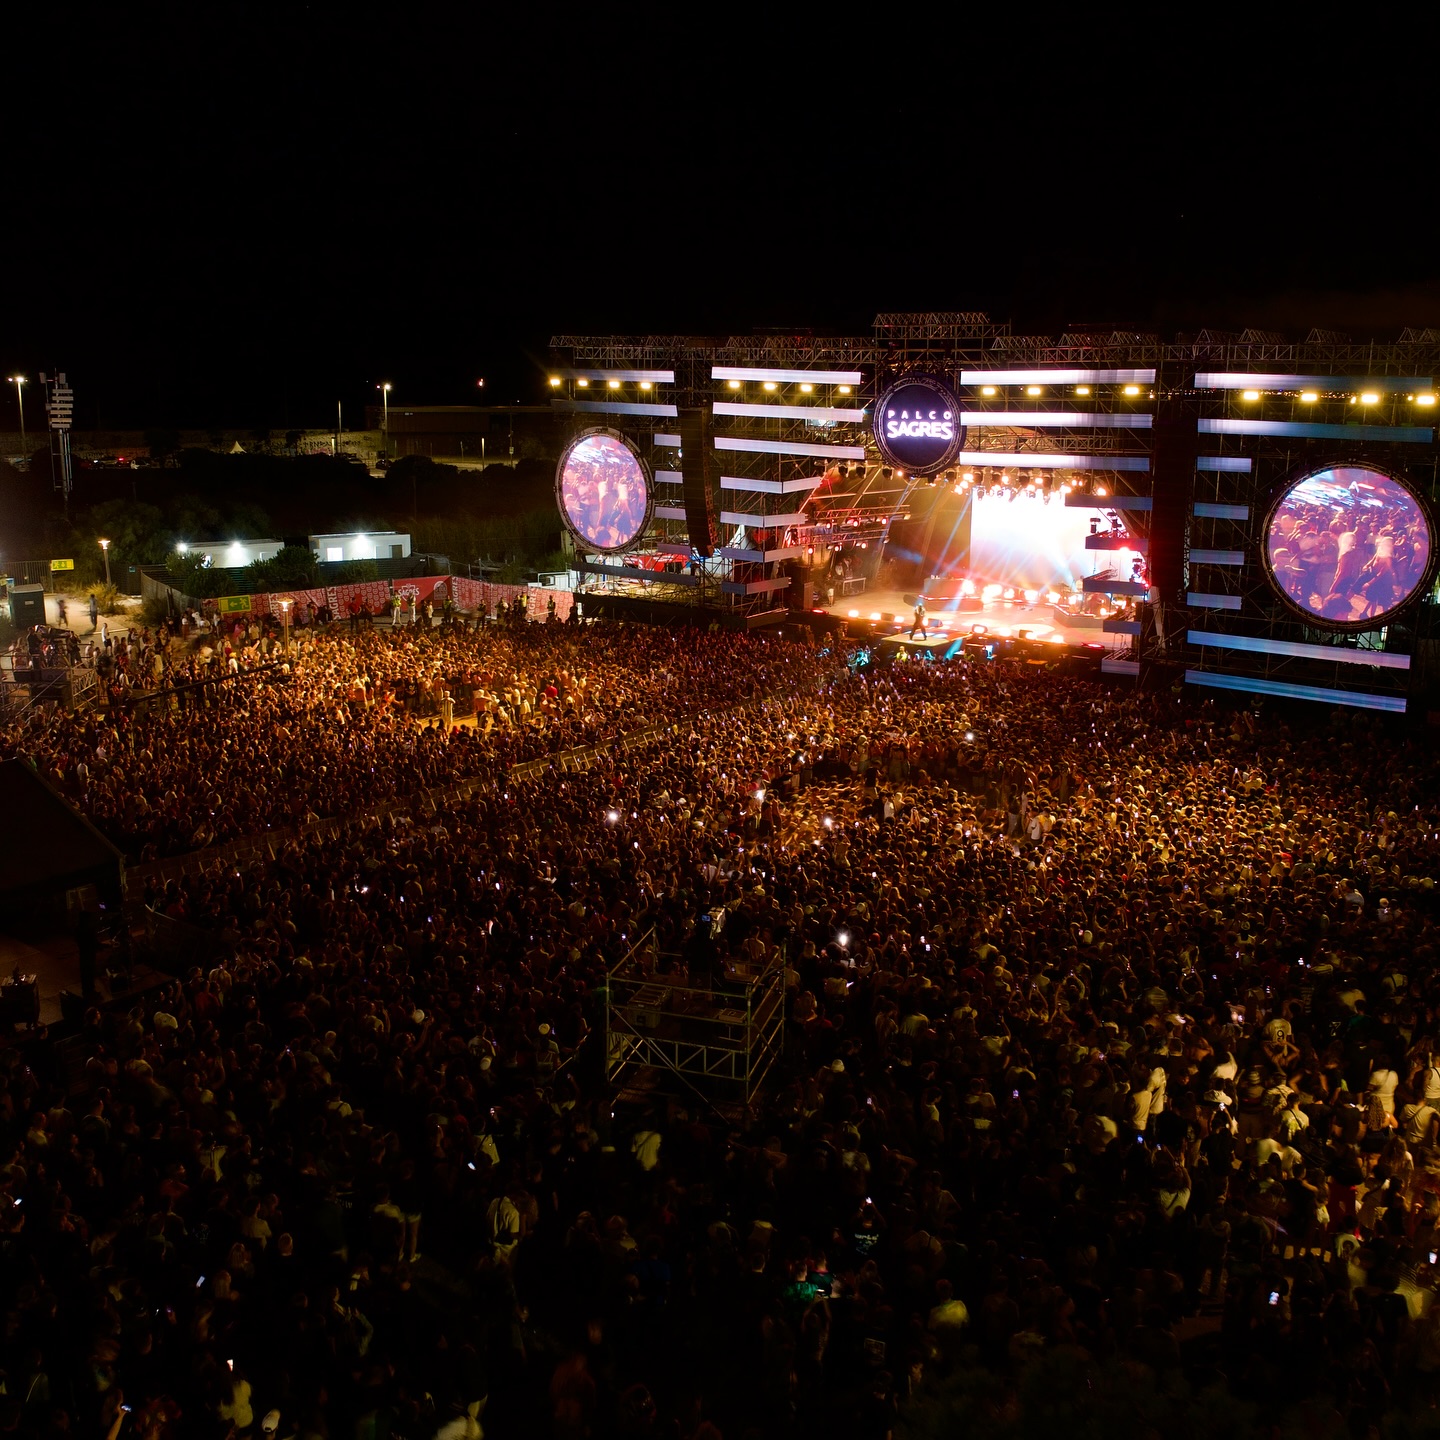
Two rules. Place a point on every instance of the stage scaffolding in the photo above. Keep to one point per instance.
(718, 1037)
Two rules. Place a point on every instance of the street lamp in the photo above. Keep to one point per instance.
(17, 381)
(385, 405)
(285, 605)
(105, 547)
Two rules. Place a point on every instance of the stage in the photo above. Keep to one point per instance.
(1003, 619)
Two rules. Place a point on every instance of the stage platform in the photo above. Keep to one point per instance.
(1004, 619)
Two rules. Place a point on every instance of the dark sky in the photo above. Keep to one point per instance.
(240, 214)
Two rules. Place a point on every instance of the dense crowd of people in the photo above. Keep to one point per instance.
(1110, 1029)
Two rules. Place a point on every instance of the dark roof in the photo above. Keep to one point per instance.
(44, 840)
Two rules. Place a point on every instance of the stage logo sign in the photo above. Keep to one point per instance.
(917, 425)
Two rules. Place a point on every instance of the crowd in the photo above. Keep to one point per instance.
(1111, 1029)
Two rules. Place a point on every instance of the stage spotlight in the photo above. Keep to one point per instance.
(874, 614)
(853, 614)
(844, 389)
(554, 381)
(1053, 597)
(614, 384)
(1033, 390)
(1309, 396)
(1132, 389)
(807, 388)
(734, 384)
(1250, 395)
(1082, 389)
(583, 383)
(991, 592)
(987, 389)
(645, 385)
(969, 476)
(1101, 491)
(1009, 592)
(768, 385)
(1424, 399)
(1032, 596)
(1369, 398)
(967, 587)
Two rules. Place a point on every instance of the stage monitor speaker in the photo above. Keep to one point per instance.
(700, 481)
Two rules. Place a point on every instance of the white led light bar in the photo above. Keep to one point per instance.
(1247, 685)
(1050, 460)
(790, 447)
(1325, 384)
(789, 412)
(1057, 377)
(1054, 418)
(1305, 430)
(616, 407)
(782, 377)
(1340, 654)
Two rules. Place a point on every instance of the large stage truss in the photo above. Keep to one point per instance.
(802, 475)
(717, 1038)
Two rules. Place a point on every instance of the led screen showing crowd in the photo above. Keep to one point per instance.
(603, 491)
(1348, 544)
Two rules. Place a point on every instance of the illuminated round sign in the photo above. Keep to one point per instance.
(1348, 546)
(603, 490)
(917, 425)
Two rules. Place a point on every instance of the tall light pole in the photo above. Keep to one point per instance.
(385, 406)
(17, 381)
(105, 548)
(285, 604)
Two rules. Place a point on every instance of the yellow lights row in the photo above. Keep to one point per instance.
(1366, 397)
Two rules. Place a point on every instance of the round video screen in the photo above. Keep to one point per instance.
(603, 490)
(1348, 545)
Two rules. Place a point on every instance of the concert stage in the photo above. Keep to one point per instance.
(1003, 619)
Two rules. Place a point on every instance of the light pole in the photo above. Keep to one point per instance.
(105, 548)
(17, 381)
(285, 623)
(385, 407)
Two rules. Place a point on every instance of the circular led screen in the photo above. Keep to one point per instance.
(917, 425)
(603, 490)
(1348, 545)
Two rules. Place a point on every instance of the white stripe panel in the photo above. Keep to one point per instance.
(632, 377)
(1341, 655)
(617, 407)
(760, 557)
(789, 412)
(1057, 377)
(770, 487)
(816, 377)
(669, 512)
(669, 477)
(667, 440)
(1324, 384)
(786, 447)
(1054, 418)
(762, 522)
(1051, 460)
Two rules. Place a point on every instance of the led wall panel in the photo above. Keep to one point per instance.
(1053, 419)
(626, 377)
(790, 412)
(1217, 557)
(1358, 699)
(669, 512)
(782, 377)
(1325, 384)
(615, 407)
(760, 557)
(1057, 377)
(1113, 665)
(1120, 627)
(1223, 464)
(789, 447)
(1304, 430)
(666, 440)
(1050, 460)
(771, 487)
(1109, 502)
(1339, 654)
(763, 522)
(669, 477)
(1198, 600)
(1203, 509)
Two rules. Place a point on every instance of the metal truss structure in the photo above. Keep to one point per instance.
(717, 1040)
(788, 501)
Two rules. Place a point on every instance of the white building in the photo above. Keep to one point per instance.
(230, 554)
(374, 545)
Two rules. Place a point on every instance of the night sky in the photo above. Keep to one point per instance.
(239, 214)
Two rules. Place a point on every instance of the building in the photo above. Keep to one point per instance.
(381, 545)
(230, 554)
